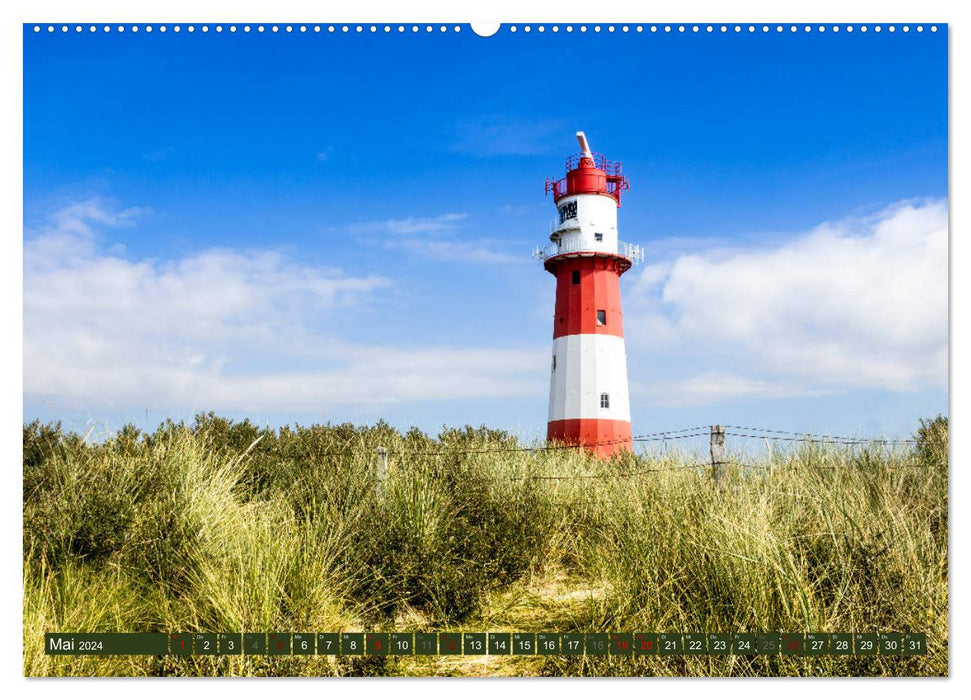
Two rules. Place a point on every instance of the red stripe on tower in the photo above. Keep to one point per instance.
(589, 400)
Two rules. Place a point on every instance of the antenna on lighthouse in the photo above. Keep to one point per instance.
(584, 146)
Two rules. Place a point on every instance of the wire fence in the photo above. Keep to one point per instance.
(662, 436)
(790, 436)
(716, 433)
(666, 436)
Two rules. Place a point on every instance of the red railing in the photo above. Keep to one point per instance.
(616, 182)
(615, 185)
(611, 167)
(557, 187)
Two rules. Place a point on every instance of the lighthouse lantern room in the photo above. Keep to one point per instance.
(589, 400)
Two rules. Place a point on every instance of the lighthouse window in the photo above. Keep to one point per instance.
(554, 363)
(568, 211)
(575, 278)
(601, 317)
(599, 237)
(605, 401)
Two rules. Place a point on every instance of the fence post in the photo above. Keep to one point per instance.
(717, 453)
(382, 471)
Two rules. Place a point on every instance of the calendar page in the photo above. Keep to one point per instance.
(545, 349)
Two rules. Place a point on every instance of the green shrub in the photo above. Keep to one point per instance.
(932, 442)
(446, 531)
(225, 525)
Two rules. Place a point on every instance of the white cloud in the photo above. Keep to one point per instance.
(461, 251)
(432, 237)
(859, 303)
(410, 225)
(221, 329)
(715, 387)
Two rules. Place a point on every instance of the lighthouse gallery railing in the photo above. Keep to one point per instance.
(631, 251)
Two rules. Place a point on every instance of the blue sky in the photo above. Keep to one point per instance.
(307, 227)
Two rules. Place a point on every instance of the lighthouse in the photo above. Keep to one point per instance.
(589, 397)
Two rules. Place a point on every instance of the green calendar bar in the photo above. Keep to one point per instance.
(449, 644)
(915, 643)
(817, 644)
(695, 644)
(180, 644)
(866, 644)
(793, 644)
(303, 644)
(500, 643)
(402, 643)
(891, 644)
(719, 644)
(744, 643)
(254, 643)
(548, 643)
(101, 644)
(328, 643)
(474, 643)
(645, 644)
(377, 643)
(352, 643)
(205, 644)
(841, 644)
(621, 644)
(769, 643)
(571, 644)
(230, 643)
(278, 644)
(670, 644)
(524, 643)
(629, 644)
(426, 643)
(597, 643)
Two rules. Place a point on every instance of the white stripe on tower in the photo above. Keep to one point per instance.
(587, 366)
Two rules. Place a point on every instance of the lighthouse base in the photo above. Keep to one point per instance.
(602, 437)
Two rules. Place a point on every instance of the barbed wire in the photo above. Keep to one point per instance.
(664, 436)
(659, 436)
(673, 432)
(649, 437)
(788, 436)
(668, 436)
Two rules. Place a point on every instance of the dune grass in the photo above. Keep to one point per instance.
(223, 526)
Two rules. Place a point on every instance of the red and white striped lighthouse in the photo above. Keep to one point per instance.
(589, 400)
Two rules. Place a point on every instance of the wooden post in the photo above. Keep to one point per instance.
(717, 453)
(382, 471)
